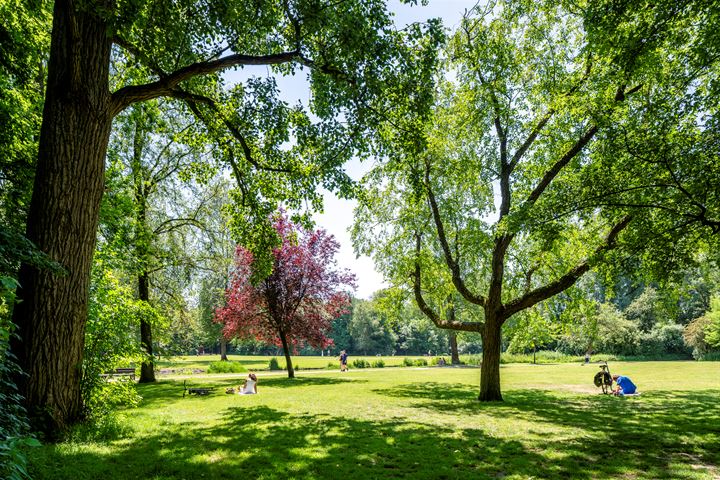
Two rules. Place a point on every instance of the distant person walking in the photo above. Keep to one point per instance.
(343, 361)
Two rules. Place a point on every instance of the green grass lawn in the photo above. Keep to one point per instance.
(413, 423)
(255, 363)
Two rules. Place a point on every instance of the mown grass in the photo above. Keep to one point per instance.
(413, 423)
(256, 363)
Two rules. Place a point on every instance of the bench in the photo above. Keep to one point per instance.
(196, 390)
(120, 372)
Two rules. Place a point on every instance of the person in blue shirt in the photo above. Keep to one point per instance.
(625, 386)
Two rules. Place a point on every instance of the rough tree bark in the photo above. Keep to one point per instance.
(63, 217)
(490, 370)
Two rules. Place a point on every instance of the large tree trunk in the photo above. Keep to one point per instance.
(63, 217)
(147, 368)
(490, 371)
(454, 355)
(286, 350)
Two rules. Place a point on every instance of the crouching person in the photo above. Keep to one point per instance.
(624, 386)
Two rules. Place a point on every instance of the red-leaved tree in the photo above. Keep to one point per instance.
(297, 303)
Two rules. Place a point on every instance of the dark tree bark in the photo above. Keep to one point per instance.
(63, 218)
(147, 369)
(490, 370)
(454, 355)
(142, 246)
(452, 336)
(534, 351)
(286, 351)
(223, 349)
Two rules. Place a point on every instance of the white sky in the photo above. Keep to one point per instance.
(338, 215)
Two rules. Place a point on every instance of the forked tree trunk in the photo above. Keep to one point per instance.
(490, 371)
(286, 351)
(147, 368)
(63, 217)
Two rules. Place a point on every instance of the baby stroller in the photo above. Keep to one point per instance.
(603, 379)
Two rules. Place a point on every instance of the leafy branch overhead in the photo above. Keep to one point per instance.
(278, 152)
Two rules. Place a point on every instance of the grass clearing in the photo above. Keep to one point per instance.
(419, 423)
(255, 363)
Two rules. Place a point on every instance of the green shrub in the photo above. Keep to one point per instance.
(226, 367)
(420, 362)
(103, 421)
(273, 364)
(332, 366)
(378, 364)
(14, 427)
(652, 358)
(542, 356)
(360, 363)
(407, 362)
(472, 359)
(710, 357)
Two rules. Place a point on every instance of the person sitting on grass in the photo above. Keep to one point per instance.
(625, 386)
(249, 386)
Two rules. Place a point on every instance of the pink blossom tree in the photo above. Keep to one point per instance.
(296, 304)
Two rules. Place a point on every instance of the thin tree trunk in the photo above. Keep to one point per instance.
(534, 352)
(286, 350)
(452, 336)
(223, 349)
(454, 355)
(490, 371)
(69, 181)
(147, 368)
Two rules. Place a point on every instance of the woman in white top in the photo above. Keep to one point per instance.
(249, 387)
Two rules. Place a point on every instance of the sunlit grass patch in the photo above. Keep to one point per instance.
(414, 423)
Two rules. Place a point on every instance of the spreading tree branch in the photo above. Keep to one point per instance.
(566, 281)
(451, 262)
(193, 100)
(427, 310)
(164, 87)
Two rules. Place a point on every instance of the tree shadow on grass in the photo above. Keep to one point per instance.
(261, 442)
(167, 391)
(615, 438)
(648, 433)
